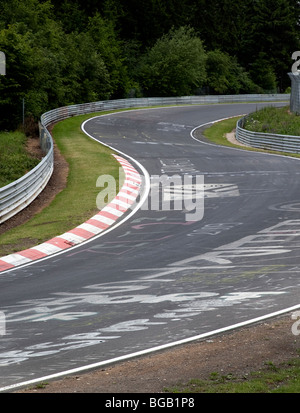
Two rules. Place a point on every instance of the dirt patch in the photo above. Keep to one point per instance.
(238, 353)
(33, 148)
(232, 139)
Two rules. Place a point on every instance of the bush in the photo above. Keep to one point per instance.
(226, 76)
(174, 66)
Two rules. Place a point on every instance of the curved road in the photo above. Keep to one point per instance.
(165, 274)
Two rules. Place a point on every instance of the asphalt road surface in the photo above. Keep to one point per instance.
(215, 244)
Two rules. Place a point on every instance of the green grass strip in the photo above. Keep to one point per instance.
(274, 120)
(217, 134)
(87, 160)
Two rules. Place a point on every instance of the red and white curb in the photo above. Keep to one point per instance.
(94, 226)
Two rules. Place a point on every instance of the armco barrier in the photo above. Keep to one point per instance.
(267, 141)
(19, 194)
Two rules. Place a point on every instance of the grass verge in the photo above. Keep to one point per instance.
(218, 131)
(87, 160)
(274, 120)
(14, 159)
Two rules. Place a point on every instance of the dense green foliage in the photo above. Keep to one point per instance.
(61, 52)
(175, 65)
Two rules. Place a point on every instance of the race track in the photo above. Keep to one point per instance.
(163, 276)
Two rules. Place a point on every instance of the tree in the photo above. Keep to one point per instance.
(46, 67)
(250, 29)
(106, 43)
(17, 82)
(226, 76)
(174, 66)
(146, 21)
(61, 52)
(273, 39)
(85, 77)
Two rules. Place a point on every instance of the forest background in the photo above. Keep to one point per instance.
(62, 52)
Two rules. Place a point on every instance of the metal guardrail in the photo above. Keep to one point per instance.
(56, 115)
(19, 194)
(267, 141)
